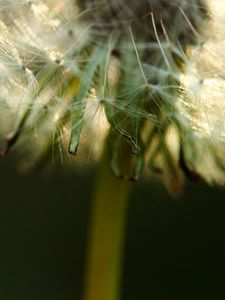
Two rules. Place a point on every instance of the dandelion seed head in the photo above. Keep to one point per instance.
(149, 73)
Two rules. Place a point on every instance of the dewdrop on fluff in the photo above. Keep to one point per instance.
(145, 74)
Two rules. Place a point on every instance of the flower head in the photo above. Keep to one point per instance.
(146, 73)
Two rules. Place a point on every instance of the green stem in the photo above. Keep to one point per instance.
(106, 241)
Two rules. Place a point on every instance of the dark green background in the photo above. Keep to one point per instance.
(174, 249)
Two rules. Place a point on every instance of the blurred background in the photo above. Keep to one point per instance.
(174, 248)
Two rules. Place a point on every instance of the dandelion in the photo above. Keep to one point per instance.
(139, 84)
